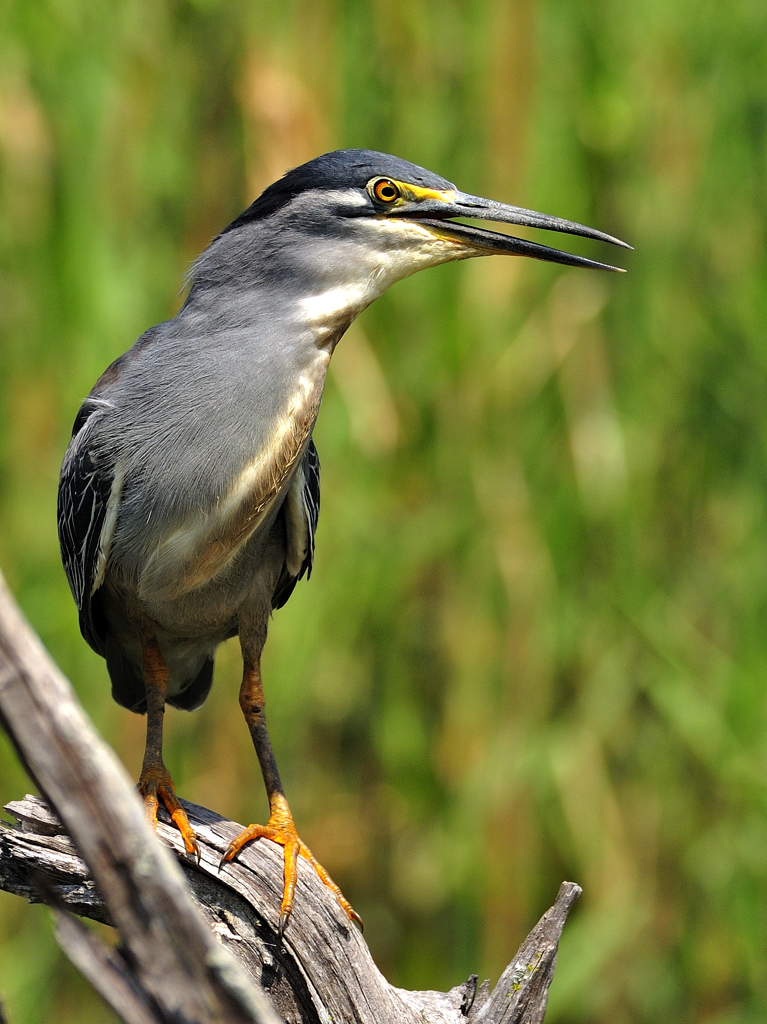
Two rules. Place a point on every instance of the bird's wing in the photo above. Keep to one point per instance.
(89, 496)
(302, 511)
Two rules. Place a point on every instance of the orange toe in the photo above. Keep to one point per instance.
(156, 784)
(281, 829)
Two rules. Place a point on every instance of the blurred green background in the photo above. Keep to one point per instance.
(534, 646)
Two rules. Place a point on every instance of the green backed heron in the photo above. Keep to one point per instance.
(190, 490)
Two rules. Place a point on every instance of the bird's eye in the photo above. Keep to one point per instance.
(386, 191)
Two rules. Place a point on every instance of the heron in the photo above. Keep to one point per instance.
(190, 490)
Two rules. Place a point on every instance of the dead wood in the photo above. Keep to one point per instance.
(167, 952)
(95, 856)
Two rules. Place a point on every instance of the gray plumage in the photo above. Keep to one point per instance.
(171, 425)
(189, 494)
(162, 438)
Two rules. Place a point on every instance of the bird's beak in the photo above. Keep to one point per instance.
(435, 210)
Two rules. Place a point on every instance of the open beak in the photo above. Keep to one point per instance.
(436, 212)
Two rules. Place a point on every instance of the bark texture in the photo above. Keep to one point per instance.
(196, 944)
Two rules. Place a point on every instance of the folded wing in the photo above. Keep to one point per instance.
(89, 496)
(302, 511)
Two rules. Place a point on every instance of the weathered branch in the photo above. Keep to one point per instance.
(170, 956)
(320, 971)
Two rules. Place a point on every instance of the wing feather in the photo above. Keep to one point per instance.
(302, 512)
(89, 494)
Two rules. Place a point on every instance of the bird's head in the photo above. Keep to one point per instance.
(350, 223)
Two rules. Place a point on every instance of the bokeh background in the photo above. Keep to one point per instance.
(535, 643)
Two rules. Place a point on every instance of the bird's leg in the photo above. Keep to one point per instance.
(155, 782)
(280, 828)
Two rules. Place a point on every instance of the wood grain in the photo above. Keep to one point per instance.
(322, 969)
(197, 944)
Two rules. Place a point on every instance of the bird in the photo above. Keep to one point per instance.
(189, 493)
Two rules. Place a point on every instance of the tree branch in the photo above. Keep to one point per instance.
(171, 955)
(322, 969)
(172, 965)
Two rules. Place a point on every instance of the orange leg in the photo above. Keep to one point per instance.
(280, 828)
(155, 782)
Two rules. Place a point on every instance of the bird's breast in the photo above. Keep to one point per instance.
(209, 537)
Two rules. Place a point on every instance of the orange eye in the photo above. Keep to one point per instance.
(386, 191)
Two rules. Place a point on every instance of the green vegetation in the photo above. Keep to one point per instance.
(535, 643)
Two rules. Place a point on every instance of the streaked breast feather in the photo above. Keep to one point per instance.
(202, 546)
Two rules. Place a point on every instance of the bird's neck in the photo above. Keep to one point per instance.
(310, 285)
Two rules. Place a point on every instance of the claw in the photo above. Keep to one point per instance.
(228, 855)
(281, 829)
(156, 784)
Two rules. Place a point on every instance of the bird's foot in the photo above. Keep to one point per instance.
(155, 784)
(282, 830)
